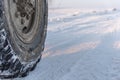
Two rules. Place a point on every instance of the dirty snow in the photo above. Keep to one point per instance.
(80, 45)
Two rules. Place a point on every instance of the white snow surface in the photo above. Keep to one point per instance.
(80, 45)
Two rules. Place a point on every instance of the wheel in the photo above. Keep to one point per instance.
(23, 27)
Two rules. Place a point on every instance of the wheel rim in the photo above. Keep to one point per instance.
(22, 14)
(26, 21)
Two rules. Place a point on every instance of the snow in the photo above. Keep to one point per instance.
(80, 45)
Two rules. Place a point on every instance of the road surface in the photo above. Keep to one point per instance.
(80, 45)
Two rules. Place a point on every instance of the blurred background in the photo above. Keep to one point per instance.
(84, 3)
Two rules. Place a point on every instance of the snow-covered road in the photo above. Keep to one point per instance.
(80, 45)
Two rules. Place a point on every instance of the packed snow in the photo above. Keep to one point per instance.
(80, 45)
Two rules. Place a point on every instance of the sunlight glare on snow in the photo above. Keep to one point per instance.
(117, 45)
(74, 49)
(81, 47)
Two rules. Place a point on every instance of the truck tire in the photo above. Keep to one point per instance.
(23, 27)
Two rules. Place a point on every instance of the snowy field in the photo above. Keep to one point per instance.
(80, 45)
